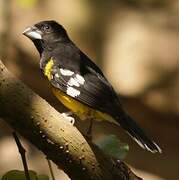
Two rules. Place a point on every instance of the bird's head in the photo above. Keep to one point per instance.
(45, 34)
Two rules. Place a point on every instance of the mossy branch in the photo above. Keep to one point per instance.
(48, 130)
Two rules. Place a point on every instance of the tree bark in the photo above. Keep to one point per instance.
(32, 117)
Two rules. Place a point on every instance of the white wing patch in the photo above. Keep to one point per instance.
(73, 82)
(73, 92)
(80, 79)
(76, 81)
(57, 75)
(66, 72)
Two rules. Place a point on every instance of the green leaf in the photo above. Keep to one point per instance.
(112, 146)
(42, 177)
(20, 175)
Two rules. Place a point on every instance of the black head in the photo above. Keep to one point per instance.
(45, 33)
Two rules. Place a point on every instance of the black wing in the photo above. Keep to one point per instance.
(95, 91)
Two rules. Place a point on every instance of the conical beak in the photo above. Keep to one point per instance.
(32, 33)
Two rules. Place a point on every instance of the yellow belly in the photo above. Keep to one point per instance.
(81, 110)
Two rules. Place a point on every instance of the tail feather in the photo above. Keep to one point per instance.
(137, 133)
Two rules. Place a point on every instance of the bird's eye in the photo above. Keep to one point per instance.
(46, 28)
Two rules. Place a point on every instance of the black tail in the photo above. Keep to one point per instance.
(137, 133)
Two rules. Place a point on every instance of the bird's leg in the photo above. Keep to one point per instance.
(68, 116)
(89, 131)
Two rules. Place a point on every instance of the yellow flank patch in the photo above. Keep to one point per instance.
(81, 110)
(48, 68)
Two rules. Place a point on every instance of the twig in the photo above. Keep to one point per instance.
(22, 153)
(50, 167)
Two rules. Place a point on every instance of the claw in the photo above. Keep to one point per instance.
(69, 118)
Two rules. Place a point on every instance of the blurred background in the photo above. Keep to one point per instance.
(135, 42)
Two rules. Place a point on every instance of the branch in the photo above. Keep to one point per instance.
(50, 132)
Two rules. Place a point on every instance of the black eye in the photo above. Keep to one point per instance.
(46, 28)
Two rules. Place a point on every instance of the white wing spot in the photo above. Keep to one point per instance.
(80, 79)
(57, 75)
(73, 82)
(76, 81)
(73, 92)
(66, 72)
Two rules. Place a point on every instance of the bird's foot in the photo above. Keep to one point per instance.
(70, 119)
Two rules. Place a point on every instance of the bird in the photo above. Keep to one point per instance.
(78, 83)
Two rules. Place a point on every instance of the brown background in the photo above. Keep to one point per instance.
(135, 42)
